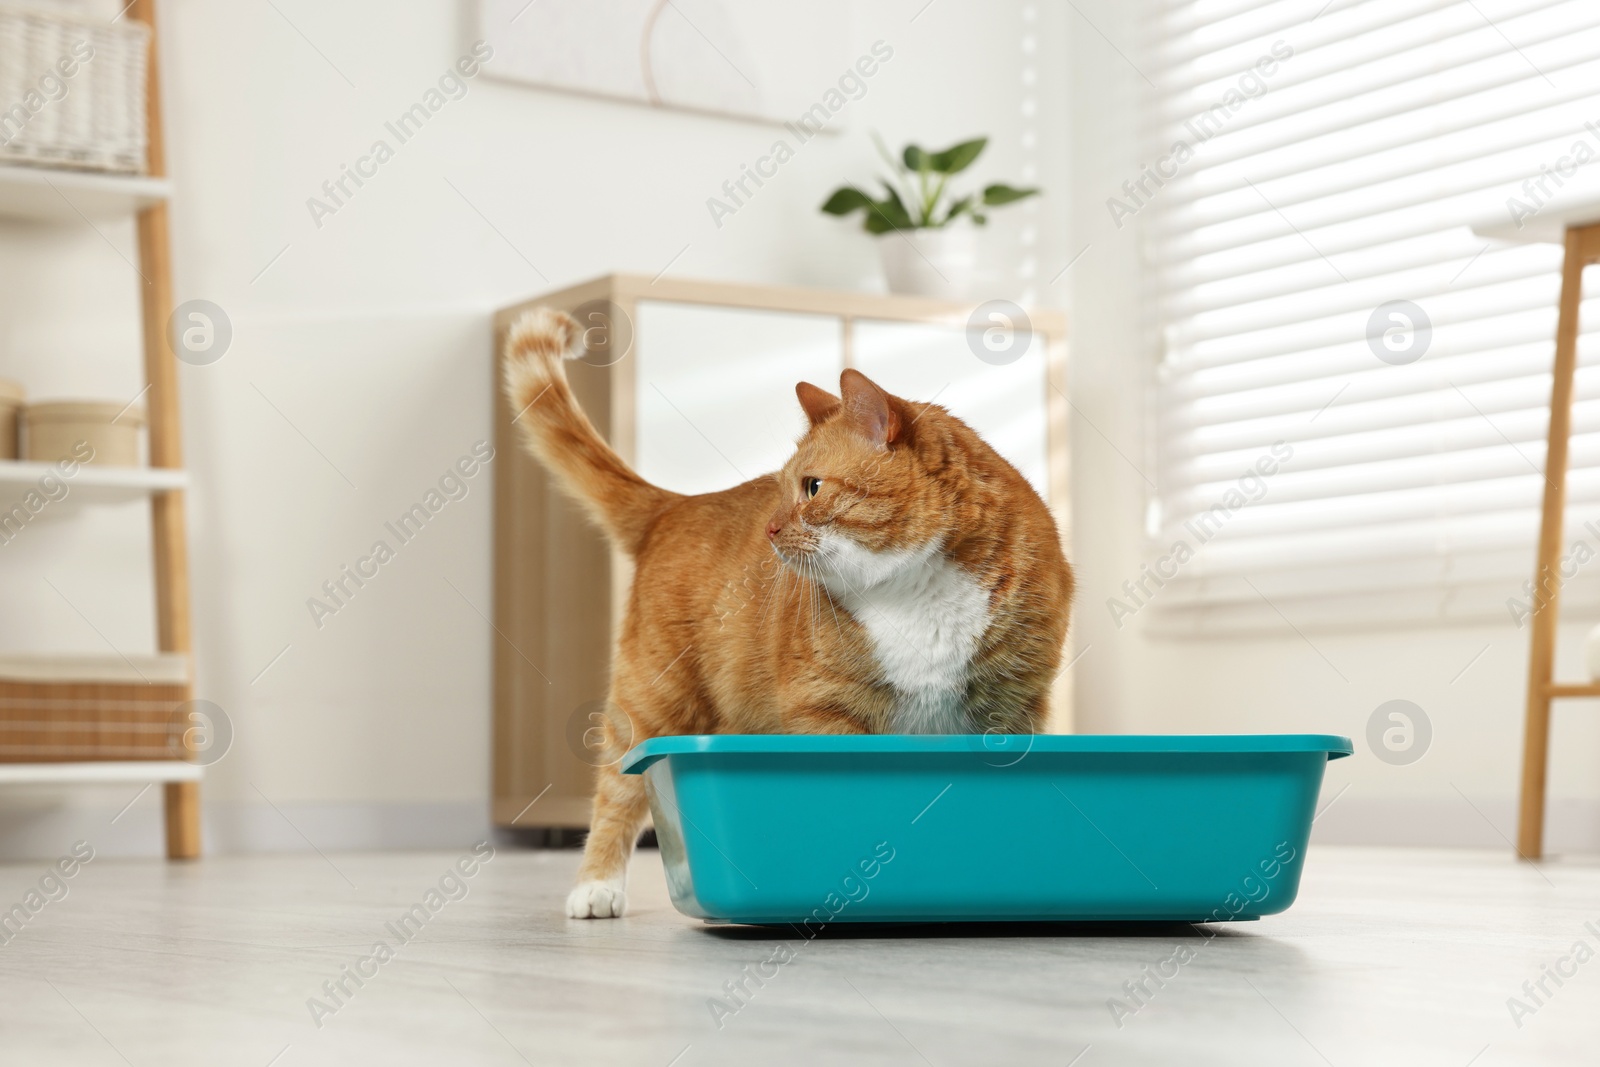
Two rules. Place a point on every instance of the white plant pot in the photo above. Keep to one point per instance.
(933, 263)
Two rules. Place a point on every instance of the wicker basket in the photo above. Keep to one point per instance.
(91, 708)
(93, 120)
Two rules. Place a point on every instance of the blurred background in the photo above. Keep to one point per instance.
(1237, 200)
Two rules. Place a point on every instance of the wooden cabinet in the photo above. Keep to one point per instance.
(693, 384)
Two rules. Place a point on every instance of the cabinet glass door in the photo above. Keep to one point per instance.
(1007, 405)
(715, 390)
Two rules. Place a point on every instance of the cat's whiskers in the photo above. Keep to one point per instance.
(772, 586)
(822, 562)
(820, 592)
(800, 597)
(832, 609)
(811, 597)
(788, 585)
(815, 605)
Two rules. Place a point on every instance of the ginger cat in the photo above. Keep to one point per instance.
(897, 576)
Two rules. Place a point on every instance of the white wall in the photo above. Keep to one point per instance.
(360, 369)
(1463, 790)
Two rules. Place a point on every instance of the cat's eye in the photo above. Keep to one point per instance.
(810, 486)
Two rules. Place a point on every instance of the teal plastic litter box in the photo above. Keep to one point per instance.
(812, 830)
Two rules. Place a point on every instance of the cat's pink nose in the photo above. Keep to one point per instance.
(773, 527)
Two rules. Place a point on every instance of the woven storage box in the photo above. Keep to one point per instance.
(60, 709)
(92, 120)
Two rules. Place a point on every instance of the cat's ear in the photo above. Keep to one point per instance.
(818, 403)
(874, 413)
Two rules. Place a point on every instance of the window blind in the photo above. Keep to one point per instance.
(1353, 388)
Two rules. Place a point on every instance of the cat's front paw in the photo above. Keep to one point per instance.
(597, 899)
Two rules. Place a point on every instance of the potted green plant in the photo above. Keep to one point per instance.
(930, 247)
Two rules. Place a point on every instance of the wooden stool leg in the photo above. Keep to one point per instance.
(182, 804)
(1546, 578)
(1535, 755)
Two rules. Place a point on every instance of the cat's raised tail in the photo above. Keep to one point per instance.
(561, 436)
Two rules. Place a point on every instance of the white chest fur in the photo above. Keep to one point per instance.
(924, 616)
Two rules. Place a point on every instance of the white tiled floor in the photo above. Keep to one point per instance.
(1389, 957)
